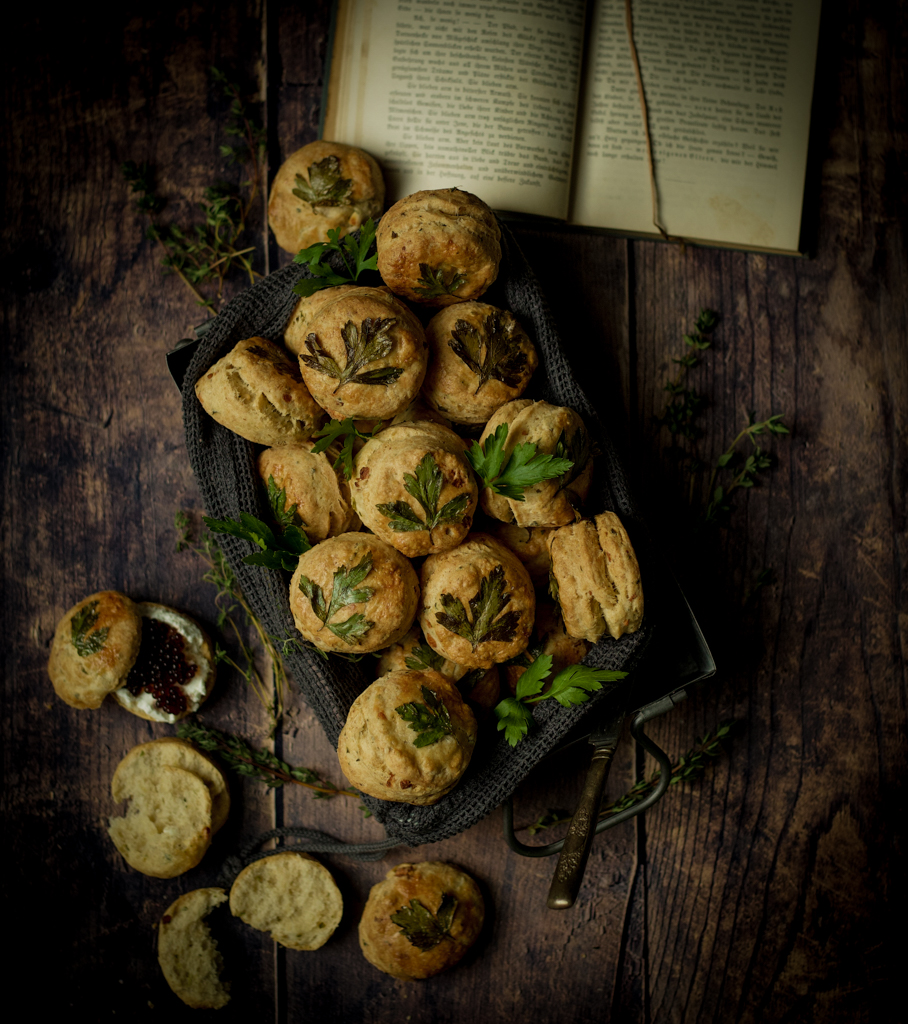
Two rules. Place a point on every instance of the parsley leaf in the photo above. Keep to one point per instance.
(483, 624)
(345, 432)
(425, 486)
(504, 359)
(434, 284)
(573, 685)
(511, 473)
(364, 344)
(354, 254)
(431, 721)
(85, 641)
(423, 929)
(276, 552)
(422, 656)
(325, 186)
(343, 592)
(284, 515)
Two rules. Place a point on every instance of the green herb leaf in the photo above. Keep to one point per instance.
(485, 623)
(425, 487)
(285, 515)
(423, 929)
(422, 656)
(354, 252)
(276, 553)
(431, 721)
(344, 432)
(343, 592)
(364, 344)
(325, 186)
(432, 282)
(511, 473)
(84, 640)
(503, 360)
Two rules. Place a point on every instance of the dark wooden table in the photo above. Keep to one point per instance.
(764, 891)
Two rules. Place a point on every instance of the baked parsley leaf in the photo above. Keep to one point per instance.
(510, 473)
(494, 351)
(425, 486)
(487, 620)
(430, 721)
(276, 552)
(84, 640)
(364, 344)
(421, 927)
(356, 254)
(285, 514)
(344, 432)
(573, 685)
(421, 656)
(325, 186)
(432, 281)
(345, 590)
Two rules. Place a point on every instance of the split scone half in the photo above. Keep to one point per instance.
(257, 391)
(477, 603)
(364, 355)
(353, 593)
(413, 487)
(187, 952)
(439, 247)
(322, 187)
(291, 895)
(408, 738)
(320, 493)
(555, 430)
(421, 919)
(153, 660)
(479, 358)
(597, 578)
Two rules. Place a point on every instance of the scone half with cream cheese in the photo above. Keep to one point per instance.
(408, 738)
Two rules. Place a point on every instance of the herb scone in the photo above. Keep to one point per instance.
(291, 895)
(477, 603)
(322, 187)
(438, 247)
(188, 954)
(408, 738)
(421, 919)
(256, 391)
(480, 358)
(597, 578)
(353, 593)
(413, 487)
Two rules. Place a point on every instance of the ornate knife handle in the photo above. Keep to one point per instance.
(579, 839)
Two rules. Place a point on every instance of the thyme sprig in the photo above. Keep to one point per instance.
(685, 404)
(745, 467)
(688, 768)
(203, 255)
(257, 763)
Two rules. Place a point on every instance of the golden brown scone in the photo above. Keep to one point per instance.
(413, 487)
(549, 637)
(174, 671)
(257, 391)
(341, 187)
(152, 757)
(421, 919)
(188, 954)
(353, 593)
(94, 647)
(554, 430)
(439, 247)
(320, 492)
(365, 355)
(419, 411)
(167, 827)
(530, 544)
(298, 327)
(378, 750)
(477, 603)
(291, 895)
(597, 577)
(479, 358)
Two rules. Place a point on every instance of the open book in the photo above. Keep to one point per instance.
(534, 106)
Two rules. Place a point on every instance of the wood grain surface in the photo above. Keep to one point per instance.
(768, 890)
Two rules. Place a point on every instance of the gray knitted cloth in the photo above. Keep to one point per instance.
(224, 465)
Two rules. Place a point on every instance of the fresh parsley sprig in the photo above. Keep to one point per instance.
(430, 721)
(344, 432)
(276, 552)
(573, 685)
(425, 486)
(510, 473)
(354, 251)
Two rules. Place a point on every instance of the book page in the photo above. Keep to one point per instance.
(728, 86)
(477, 94)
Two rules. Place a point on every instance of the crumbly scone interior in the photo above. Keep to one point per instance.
(188, 953)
